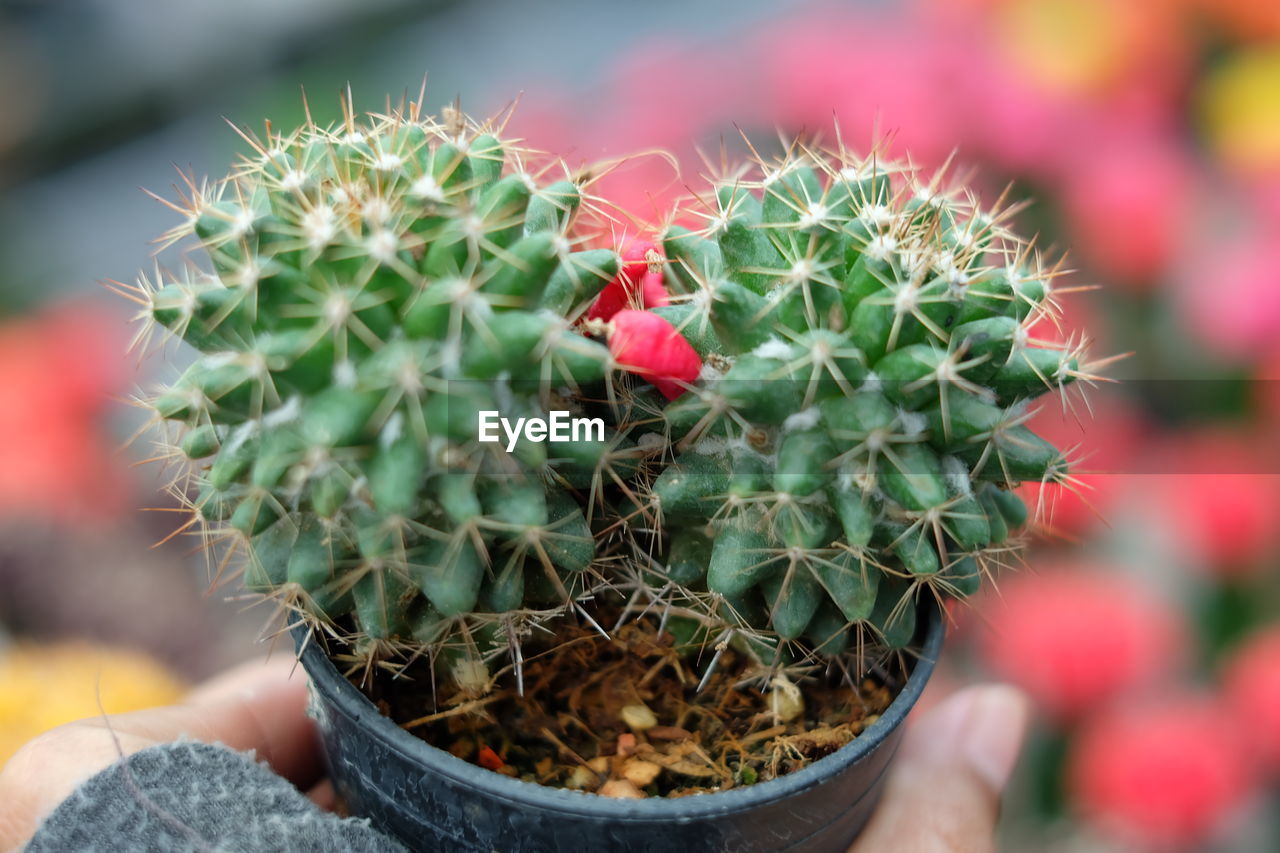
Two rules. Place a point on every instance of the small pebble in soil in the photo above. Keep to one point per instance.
(621, 789)
(639, 718)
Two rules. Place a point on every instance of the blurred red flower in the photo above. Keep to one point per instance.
(1075, 637)
(1102, 439)
(57, 370)
(1216, 494)
(1247, 19)
(1252, 681)
(1266, 390)
(1160, 775)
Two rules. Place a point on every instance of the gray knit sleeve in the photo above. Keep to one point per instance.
(197, 797)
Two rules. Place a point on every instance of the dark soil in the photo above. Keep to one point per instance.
(624, 716)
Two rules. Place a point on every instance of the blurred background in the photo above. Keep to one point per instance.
(1145, 133)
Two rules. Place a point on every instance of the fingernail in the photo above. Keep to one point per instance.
(981, 727)
(993, 737)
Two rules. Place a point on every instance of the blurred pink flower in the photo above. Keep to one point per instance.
(1160, 775)
(669, 94)
(1090, 50)
(1215, 494)
(875, 74)
(631, 185)
(57, 371)
(666, 90)
(1077, 636)
(1127, 203)
(1043, 75)
(1264, 194)
(1252, 682)
(549, 123)
(1230, 292)
(1022, 128)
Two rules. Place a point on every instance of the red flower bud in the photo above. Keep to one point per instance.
(636, 284)
(653, 290)
(649, 346)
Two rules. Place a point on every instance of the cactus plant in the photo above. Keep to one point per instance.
(811, 386)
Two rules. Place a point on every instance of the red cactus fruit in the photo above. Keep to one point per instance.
(637, 284)
(1160, 775)
(1042, 633)
(649, 346)
(1252, 681)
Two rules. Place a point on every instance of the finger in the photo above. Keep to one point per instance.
(323, 795)
(258, 706)
(943, 794)
(248, 676)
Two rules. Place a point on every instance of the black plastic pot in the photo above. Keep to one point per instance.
(431, 800)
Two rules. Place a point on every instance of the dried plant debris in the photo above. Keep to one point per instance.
(623, 716)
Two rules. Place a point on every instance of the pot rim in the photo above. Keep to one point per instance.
(339, 692)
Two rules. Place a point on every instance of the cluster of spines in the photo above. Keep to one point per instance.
(859, 424)
(370, 288)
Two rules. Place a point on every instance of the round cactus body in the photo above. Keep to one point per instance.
(800, 404)
(858, 428)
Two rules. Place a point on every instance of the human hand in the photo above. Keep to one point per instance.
(258, 705)
(943, 793)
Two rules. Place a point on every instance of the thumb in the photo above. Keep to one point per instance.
(943, 793)
(257, 706)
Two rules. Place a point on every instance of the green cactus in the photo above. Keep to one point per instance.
(372, 289)
(858, 431)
